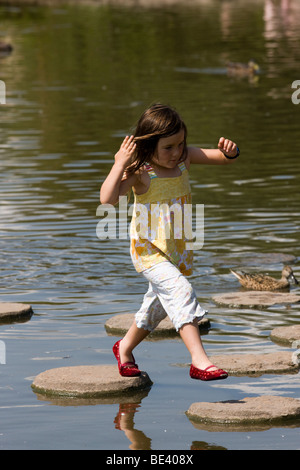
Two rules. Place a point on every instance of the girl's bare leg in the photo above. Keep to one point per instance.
(190, 335)
(133, 337)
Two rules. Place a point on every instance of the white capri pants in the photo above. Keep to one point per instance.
(169, 293)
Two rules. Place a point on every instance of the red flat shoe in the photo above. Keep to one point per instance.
(128, 369)
(205, 374)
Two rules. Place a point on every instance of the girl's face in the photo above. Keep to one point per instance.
(169, 150)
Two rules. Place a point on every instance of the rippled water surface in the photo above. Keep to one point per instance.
(76, 82)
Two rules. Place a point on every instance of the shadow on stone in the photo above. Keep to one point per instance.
(135, 397)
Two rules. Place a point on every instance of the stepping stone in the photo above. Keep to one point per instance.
(257, 364)
(254, 411)
(255, 298)
(286, 334)
(118, 325)
(14, 311)
(88, 382)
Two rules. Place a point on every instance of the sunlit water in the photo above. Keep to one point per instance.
(77, 81)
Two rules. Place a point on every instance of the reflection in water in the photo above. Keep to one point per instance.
(124, 421)
(200, 445)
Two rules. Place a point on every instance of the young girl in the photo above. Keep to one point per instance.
(155, 164)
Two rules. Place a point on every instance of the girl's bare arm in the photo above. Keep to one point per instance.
(115, 185)
(214, 156)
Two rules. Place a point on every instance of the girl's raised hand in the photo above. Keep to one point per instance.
(126, 151)
(228, 147)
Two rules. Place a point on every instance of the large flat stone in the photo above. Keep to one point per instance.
(118, 325)
(251, 412)
(286, 334)
(10, 311)
(257, 364)
(88, 382)
(255, 298)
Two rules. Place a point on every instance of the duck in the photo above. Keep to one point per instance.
(238, 69)
(5, 47)
(262, 282)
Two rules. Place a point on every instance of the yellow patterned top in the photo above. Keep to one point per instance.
(162, 223)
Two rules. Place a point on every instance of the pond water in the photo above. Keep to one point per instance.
(76, 82)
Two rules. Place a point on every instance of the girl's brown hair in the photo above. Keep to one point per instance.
(156, 122)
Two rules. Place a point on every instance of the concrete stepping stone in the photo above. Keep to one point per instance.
(255, 298)
(286, 334)
(10, 311)
(250, 412)
(283, 362)
(118, 325)
(88, 382)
